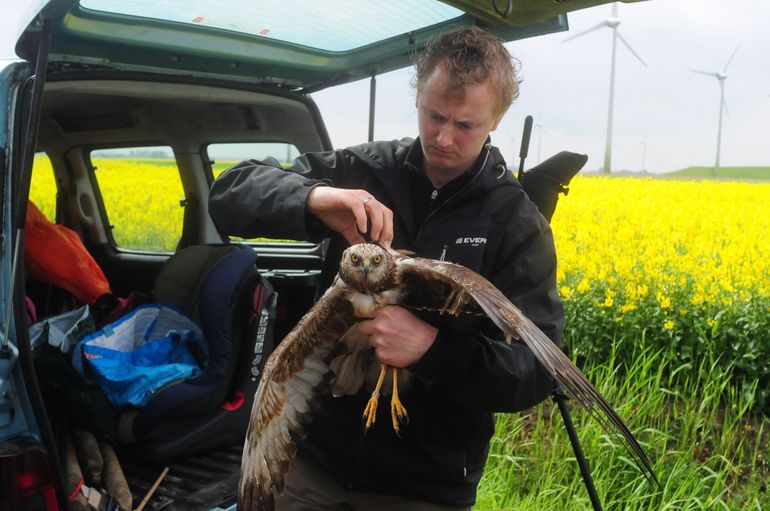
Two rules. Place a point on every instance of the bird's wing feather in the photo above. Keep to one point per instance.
(461, 290)
(283, 401)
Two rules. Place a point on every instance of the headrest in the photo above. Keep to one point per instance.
(179, 281)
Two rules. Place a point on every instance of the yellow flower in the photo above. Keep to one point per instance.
(627, 307)
(668, 325)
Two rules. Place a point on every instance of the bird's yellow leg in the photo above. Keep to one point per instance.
(370, 412)
(397, 411)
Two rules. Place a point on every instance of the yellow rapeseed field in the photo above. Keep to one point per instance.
(633, 238)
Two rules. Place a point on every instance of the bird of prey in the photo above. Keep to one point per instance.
(325, 343)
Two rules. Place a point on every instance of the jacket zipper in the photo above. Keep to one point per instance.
(455, 195)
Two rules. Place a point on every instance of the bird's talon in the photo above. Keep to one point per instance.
(398, 414)
(370, 411)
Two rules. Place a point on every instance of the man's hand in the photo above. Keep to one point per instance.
(398, 337)
(347, 212)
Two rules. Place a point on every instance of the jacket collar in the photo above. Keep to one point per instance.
(414, 157)
(489, 171)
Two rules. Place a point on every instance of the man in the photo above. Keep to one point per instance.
(446, 195)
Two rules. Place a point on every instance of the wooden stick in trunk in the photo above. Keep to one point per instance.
(151, 491)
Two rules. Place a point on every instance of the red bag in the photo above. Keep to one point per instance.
(55, 255)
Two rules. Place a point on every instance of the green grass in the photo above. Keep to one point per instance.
(707, 449)
(754, 173)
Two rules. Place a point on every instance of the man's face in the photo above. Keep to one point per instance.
(453, 131)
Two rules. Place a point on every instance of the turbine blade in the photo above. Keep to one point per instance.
(614, 9)
(584, 32)
(622, 40)
(707, 73)
(724, 71)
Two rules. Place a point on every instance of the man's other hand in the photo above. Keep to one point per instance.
(399, 338)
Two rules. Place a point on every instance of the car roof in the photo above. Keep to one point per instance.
(297, 44)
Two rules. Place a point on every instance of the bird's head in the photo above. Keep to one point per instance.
(367, 268)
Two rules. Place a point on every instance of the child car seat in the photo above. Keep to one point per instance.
(217, 286)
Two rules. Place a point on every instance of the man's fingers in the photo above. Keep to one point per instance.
(352, 213)
(381, 218)
(353, 238)
(386, 235)
(359, 212)
(376, 216)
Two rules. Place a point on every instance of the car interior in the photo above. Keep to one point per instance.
(82, 121)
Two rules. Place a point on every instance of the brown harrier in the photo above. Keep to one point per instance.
(371, 276)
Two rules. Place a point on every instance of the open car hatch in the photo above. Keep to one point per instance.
(300, 45)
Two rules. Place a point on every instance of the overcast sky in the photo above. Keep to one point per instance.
(665, 115)
(664, 108)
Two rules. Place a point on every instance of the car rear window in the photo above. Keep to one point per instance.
(336, 26)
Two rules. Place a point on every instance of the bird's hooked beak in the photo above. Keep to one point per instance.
(366, 265)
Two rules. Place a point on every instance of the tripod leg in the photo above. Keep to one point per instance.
(561, 400)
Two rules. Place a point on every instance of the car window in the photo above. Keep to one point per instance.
(350, 24)
(141, 190)
(224, 156)
(42, 190)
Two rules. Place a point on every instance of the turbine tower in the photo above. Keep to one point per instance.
(612, 22)
(721, 76)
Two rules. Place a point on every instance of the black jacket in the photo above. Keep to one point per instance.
(486, 223)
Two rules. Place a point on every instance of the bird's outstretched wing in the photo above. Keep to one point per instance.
(461, 290)
(290, 382)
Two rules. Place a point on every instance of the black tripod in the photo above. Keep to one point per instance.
(560, 398)
(558, 395)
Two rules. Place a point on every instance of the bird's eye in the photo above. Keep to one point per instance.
(377, 259)
(355, 258)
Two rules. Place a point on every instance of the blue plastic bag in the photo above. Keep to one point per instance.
(142, 352)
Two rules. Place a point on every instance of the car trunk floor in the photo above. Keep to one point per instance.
(200, 482)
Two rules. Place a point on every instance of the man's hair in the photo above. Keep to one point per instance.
(470, 56)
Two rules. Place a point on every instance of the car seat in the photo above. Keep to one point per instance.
(217, 286)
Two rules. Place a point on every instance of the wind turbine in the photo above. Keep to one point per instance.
(539, 126)
(721, 76)
(612, 22)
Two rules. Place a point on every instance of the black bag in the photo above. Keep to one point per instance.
(544, 182)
